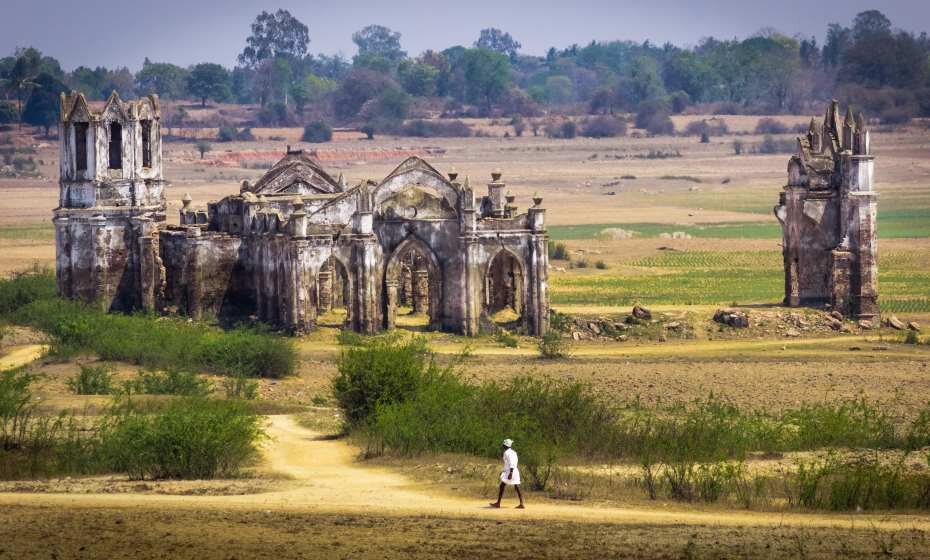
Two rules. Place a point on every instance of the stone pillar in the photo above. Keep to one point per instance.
(421, 286)
(194, 278)
(390, 298)
(537, 308)
(840, 281)
(325, 283)
(496, 195)
(101, 294)
(63, 265)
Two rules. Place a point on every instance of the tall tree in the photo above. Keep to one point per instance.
(43, 106)
(275, 35)
(22, 77)
(487, 75)
(838, 41)
(165, 79)
(377, 40)
(209, 81)
(496, 40)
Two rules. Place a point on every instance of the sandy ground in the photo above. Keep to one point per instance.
(326, 481)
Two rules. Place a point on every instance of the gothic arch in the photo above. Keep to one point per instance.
(496, 293)
(392, 273)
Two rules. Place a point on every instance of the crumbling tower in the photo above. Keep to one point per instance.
(111, 202)
(828, 217)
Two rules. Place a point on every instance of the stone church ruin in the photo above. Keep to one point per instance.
(299, 243)
(292, 246)
(828, 217)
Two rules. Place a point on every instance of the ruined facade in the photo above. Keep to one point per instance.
(295, 244)
(828, 217)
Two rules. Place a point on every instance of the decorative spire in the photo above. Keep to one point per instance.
(453, 174)
(186, 201)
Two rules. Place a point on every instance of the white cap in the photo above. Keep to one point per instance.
(508, 442)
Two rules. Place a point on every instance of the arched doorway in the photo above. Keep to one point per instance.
(412, 287)
(333, 294)
(504, 290)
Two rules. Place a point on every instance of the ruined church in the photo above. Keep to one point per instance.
(828, 217)
(293, 245)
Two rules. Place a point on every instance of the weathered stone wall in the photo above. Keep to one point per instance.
(827, 212)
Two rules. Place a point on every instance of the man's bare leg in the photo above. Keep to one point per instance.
(500, 496)
(519, 495)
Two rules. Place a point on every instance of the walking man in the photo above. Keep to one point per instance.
(510, 476)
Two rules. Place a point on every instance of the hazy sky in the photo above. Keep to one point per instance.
(99, 32)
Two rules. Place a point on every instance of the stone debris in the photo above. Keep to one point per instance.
(865, 324)
(895, 323)
(914, 326)
(641, 313)
(732, 318)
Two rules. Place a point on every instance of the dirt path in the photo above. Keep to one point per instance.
(326, 479)
(21, 355)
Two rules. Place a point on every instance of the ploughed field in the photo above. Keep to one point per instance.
(680, 227)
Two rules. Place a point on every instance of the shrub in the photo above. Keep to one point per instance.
(560, 322)
(25, 288)
(911, 338)
(245, 135)
(274, 114)
(712, 127)
(581, 263)
(604, 127)
(655, 123)
(737, 147)
(600, 265)
(226, 134)
(317, 131)
(519, 125)
(156, 342)
(705, 138)
(769, 125)
(558, 251)
(369, 131)
(770, 145)
(92, 380)
(552, 346)
(189, 438)
(565, 130)
(381, 371)
(240, 387)
(170, 382)
(506, 339)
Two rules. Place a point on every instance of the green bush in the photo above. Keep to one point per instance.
(600, 265)
(553, 346)
(911, 338)
(317, 131)
(24, 289)
(506, 339)
(558, 251)
(189, 438)
(240, 387)
(381, 371)
(157, 342)
(581, 263)
(170, 382)
(92, 380)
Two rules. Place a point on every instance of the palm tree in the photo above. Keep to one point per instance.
(21, 79)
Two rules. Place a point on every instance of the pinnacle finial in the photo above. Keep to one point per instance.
(848, 121)
(813, 127)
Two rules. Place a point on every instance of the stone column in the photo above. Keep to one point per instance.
(194, 277)
(420, 291)
(325, 287)
(390, 298)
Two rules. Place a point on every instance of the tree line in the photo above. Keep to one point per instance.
(880, 69)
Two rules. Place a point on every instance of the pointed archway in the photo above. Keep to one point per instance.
(505, 289)
(414, 258)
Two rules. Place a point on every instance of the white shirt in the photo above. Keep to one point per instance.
(510, 462)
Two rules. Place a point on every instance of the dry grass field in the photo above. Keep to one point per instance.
(729, 254)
